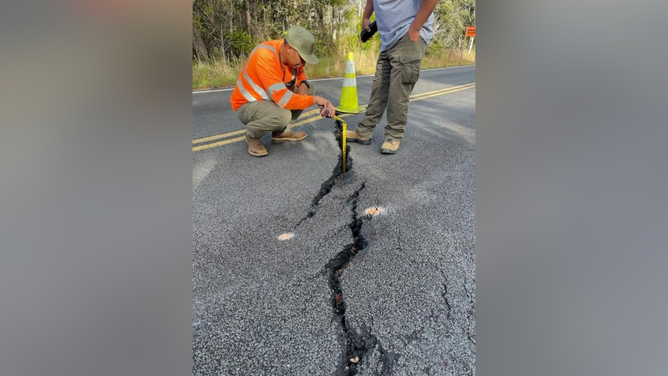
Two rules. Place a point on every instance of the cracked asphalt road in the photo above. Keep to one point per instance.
(262, 306)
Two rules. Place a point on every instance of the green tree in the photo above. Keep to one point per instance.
(451, 19)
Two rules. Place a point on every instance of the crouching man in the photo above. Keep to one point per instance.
(272, 90)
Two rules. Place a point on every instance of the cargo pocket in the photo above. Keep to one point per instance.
(411, 69)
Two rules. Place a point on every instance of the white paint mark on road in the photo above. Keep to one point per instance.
(374, 211)
(286, 236)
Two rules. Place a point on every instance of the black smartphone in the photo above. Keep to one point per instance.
(368, 34)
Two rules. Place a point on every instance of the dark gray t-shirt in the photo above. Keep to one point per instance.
(394, 17)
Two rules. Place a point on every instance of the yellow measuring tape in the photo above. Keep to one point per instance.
(343, 144)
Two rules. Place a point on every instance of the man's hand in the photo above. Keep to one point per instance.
(426, 9)
(326, 107)
(414, 34)
(365, 26)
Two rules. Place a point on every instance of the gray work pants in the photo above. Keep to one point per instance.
(397, 71)
(263, 117)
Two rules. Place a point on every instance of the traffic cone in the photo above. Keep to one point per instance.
(349, 103)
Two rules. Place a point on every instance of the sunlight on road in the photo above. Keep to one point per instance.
(202, 170)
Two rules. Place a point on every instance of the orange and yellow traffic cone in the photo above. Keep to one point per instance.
(349, 103)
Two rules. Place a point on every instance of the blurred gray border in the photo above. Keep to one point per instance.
(95, 204)
(571, 179)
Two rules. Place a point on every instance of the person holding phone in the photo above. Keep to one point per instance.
(405, 28)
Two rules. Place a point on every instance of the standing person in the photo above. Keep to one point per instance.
(272, 89)
(405, 28)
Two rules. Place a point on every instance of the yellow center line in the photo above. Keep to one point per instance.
(415, 97)
(221, 143)
(309, 120)
(240, 131)
(442, 91)
(218, 137)
(447, 92)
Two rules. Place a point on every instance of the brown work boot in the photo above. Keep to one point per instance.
(353, 136)
(390, 146)
(255, 147)
(280, 136)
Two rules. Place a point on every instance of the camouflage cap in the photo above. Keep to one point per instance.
(303, 41)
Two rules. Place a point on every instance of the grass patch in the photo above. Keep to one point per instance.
(216, 74)
(447, 58)
(335, 66)
(222, 73)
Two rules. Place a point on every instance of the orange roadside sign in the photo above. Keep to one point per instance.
(470, 31)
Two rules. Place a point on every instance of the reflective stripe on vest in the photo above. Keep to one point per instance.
(245, 92)
(249, 97)
(255, 86)
(276, 87)
(285, 99)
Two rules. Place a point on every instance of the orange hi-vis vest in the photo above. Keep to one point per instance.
(263, 77)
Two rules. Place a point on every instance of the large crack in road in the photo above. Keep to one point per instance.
(357, 345)
(336, 176)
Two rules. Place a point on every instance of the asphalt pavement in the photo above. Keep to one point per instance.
(391, 292)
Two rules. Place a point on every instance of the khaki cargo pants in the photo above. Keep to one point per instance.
(397, 71)
(264, 117)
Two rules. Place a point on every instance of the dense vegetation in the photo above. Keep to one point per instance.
(224, 31)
